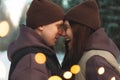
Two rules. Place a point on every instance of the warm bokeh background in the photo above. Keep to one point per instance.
(12, 14)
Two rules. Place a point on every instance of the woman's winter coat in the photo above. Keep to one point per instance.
(99, 41)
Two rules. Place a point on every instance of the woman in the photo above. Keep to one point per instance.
(84, 35)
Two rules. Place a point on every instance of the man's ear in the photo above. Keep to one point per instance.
(40, 28)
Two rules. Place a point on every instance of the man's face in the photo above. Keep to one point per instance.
(51, 32)
(68, 33)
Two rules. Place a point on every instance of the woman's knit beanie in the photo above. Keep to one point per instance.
(86, 13)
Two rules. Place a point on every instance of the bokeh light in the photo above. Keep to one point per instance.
(17, 7)
(2, 71)
(101, 70)
(55, 78)
(75, 69)
(67, 75)
(113, 78)
(40, 58)
(4, 28)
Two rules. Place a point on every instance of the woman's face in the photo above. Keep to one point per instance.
(68, 33)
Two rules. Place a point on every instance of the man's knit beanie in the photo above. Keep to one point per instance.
(43, 12)
(86, 13)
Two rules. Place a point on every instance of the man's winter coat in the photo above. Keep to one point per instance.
(27, 68)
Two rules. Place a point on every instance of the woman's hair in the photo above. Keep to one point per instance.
(81, 34)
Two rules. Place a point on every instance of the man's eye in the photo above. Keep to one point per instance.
(59, 27)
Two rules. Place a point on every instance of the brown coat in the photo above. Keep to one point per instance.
(109, 58)
(27, 68)
(99, 41)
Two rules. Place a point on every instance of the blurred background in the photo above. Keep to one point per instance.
(12, 14)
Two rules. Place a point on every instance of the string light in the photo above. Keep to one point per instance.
(113, 78)
(75, 69)
(54, 78)
(67, 75)
(40, 58)
(101, 70)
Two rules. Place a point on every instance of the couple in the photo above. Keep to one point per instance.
(32, 53)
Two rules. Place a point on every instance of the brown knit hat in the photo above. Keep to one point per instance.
(86, 13)
(43, 12)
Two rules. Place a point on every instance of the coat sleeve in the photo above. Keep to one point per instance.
(97, 68)
(28, 69)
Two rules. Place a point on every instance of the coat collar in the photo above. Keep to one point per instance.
(100, 41)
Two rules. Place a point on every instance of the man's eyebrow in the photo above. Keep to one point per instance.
(59, 24)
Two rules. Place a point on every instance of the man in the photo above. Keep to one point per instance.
(43, 28)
